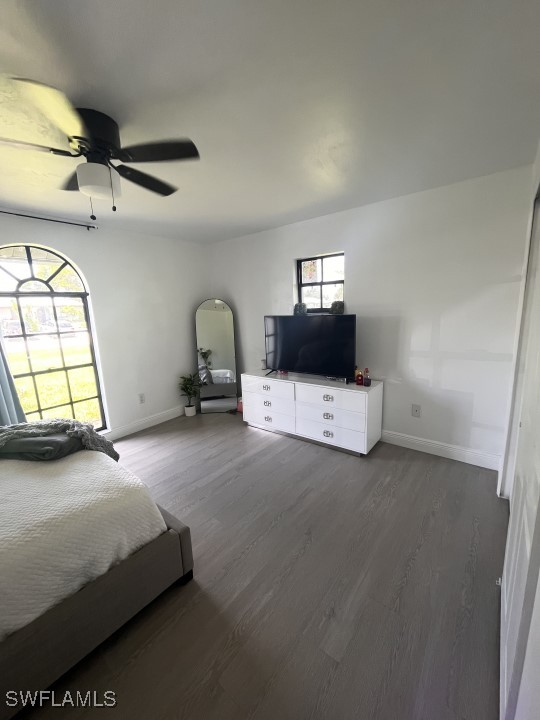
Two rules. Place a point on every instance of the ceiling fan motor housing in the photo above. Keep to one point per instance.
(103, 131)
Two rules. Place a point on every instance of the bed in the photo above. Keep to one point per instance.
(83, 548)
(223, 385)
(223, 376)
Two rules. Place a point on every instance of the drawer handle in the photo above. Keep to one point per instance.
(266, 387)
(328, 416)
(328, 433)
(267, 403)
(267, 418)
(328, 398)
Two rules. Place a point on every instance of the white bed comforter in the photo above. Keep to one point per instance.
(64, 523)
(223, 376)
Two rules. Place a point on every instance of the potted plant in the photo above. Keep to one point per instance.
(189, 387)
(205, 354)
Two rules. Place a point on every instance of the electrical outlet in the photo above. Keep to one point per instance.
(142, 399)
(416, 410)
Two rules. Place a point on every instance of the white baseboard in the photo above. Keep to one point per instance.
(453, 452)
(120, 432)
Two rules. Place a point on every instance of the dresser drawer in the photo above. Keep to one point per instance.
(265, 386)
(268, 402)
(332, 416)
(270, 419)
(341, 437)
(353, 400)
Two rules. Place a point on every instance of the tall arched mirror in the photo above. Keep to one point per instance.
(216, 359)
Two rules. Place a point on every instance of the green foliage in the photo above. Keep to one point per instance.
(73, 314)
(189, 386)
(32, 323)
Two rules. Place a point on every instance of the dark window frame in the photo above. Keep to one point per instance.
(51, 293)
(322, 282)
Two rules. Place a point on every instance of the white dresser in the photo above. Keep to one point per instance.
(344, 416)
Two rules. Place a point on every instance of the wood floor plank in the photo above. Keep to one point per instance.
(326, 585)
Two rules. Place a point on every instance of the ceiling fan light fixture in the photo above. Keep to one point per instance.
(94, 180)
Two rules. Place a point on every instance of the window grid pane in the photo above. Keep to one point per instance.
(82, 382)
(67, 280)
(44, 353)
(334, 268)
(311, 295)
(59, 413)
(27, 393)
(18, 355)
(331, 293)
(311, 271)
(52, 389)
(15, 261)
(76, 348)
(88, 411)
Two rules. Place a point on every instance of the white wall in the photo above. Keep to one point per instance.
(434, 279)
(143, 291)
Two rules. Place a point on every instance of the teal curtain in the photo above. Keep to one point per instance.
(11, 411)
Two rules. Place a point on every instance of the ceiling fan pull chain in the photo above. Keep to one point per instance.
(112, 190)
(92, 216)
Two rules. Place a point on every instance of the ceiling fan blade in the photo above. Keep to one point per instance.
(71, 183)
(35, 146)
(54, 105)
(159, 151)
(144, 180)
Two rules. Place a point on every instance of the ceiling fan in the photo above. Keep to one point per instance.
(96, 137)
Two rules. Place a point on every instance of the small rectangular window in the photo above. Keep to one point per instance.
(321, 281)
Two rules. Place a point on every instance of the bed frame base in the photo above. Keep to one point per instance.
(185, 578)
(33, 657)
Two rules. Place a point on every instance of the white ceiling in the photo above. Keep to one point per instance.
(298, 107)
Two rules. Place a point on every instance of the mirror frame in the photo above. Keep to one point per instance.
(206, 395)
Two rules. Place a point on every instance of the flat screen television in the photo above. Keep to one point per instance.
(312, 344)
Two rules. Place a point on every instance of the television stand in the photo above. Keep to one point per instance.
(347, 417)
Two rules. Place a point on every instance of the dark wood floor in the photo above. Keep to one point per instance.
(326, 586)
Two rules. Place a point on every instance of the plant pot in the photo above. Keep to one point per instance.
(190, 410)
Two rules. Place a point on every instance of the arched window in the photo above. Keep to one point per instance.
(47, 335)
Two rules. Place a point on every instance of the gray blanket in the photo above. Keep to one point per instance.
(90, 439)
(48, 447)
